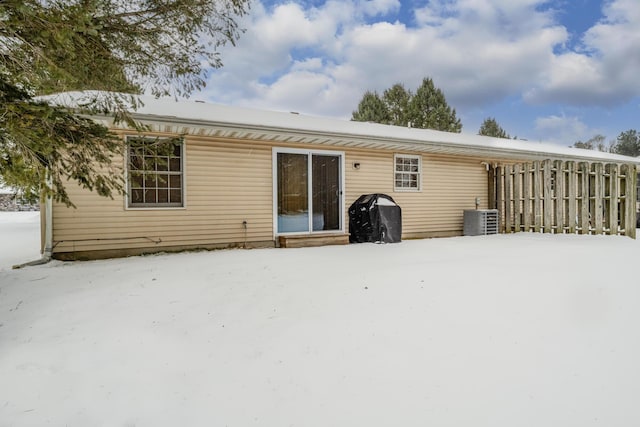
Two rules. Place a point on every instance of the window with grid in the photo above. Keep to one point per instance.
(155, 173)
(407, 172)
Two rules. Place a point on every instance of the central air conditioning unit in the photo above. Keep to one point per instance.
(479, 222)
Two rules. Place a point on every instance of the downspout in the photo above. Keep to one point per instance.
(48, 230)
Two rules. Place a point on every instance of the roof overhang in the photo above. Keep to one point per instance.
(275, 134)
(220, 121)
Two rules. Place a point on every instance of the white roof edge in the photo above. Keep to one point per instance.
(411, 144)
(200, 114)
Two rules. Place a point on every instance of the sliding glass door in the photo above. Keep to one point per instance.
(308, 191)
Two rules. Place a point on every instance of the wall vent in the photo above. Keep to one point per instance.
(480, 222)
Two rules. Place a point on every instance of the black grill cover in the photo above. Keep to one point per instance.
(375, 218)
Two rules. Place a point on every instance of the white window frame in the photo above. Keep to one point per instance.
(419, 173)
(309, 153)
(127, 196)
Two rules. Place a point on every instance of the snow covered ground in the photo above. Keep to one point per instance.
(19, 238)
(517, 330)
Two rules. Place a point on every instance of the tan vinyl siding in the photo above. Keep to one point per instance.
(226, 183)
(230, 181)
(448, 186)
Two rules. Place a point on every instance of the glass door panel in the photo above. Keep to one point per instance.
(326, 192)
(293, 192)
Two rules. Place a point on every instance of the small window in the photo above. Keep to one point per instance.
(155, 173)
(408, 171)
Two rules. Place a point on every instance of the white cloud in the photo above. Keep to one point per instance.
(504, 18)
(320, 59)
(471, 48)
(378, 7)
(307, 64)
(562, 129)
(604, 70)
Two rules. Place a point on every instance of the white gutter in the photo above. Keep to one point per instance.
(48, 229)
(385, 142)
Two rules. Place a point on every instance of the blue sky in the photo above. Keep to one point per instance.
(556, 71)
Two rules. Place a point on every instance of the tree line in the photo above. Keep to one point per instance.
(427, 108)
(627, 143)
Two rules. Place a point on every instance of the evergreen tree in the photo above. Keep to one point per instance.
(52, 46)
(627, 143)
(397, 99)
(371, 109)
(490, 127)
(40, 143)
(428, 109)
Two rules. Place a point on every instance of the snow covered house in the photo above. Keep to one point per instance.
(248, 178)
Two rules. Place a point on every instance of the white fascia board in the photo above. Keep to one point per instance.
(521, 151)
